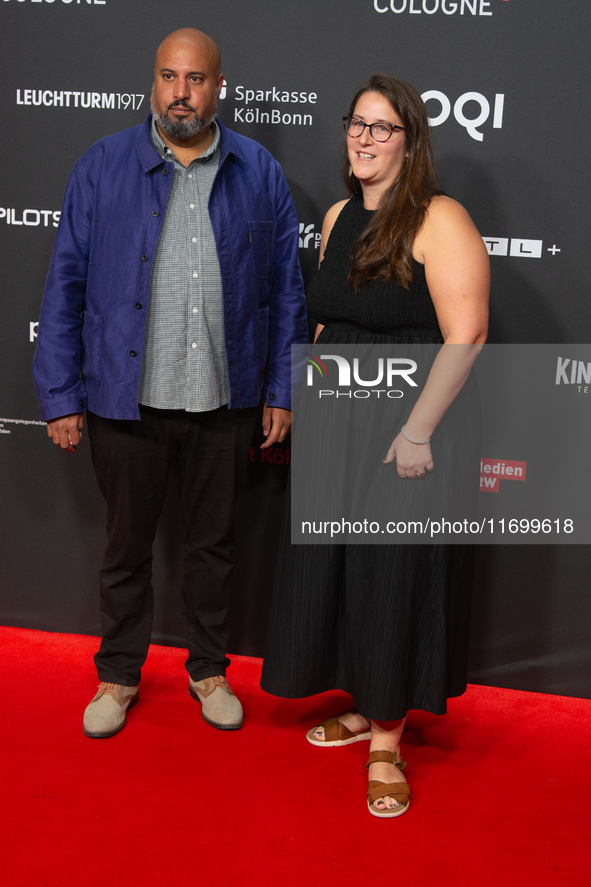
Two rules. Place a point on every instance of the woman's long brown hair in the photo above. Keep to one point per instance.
(384, 250)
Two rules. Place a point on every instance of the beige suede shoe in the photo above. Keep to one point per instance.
(219, 706)
(105, 715)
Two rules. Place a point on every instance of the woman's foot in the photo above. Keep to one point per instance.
(388, 773)
(342, 730)
(383, 739)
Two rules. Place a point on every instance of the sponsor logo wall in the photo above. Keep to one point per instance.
(430, 7)
(494, 470)
(497, 77)
(67, 98)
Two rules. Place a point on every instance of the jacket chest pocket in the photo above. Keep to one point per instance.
(259, 234)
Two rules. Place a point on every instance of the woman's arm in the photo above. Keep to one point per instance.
(327, 226)
(458, 276)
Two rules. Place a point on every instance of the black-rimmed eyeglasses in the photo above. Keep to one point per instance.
(381, 132)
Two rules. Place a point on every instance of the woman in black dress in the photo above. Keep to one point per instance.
(400, 263)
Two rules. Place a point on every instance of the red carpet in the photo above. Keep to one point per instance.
(500, 786)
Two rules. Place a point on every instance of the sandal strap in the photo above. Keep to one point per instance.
(335, 729)
(400, 791)
(385, 757)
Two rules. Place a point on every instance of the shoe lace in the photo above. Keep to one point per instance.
(219, 680)
(107, 689)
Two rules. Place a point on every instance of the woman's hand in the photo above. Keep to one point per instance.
(412, 460)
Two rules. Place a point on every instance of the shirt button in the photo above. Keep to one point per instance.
(195, 311)
(155, 212)
(144, 258)
(195, 274)
(134, 354)
(190, 176)
(194, 345)
(194, 239)
(191, 206)
(138, 305)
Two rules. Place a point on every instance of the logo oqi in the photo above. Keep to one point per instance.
(471, 124)
(309, 239)
(400, 368)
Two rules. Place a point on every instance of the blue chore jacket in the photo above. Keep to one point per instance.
(95, 304)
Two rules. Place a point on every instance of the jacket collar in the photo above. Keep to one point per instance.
(230, 143)
(150, 158)
(148, 155)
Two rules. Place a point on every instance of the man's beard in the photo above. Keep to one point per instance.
(181, 129)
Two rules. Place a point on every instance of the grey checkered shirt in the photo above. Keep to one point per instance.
(184, 364)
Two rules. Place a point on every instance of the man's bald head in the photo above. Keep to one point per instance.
(190, 38)
(187, 82)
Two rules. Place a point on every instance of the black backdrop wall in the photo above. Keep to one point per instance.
(507, 86)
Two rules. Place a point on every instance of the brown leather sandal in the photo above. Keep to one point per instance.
(335, 733)
(400, 791)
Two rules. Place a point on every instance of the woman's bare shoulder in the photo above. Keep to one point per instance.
(446, 222)
(444, 211)
(445, 219)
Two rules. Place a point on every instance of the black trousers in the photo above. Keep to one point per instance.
(132, 462)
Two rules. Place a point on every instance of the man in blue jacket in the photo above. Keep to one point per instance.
(172, 300)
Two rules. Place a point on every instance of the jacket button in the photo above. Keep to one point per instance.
(155, 212)
(133, 353)
(164, 172)
(81, 402)
(144, 258)
(272, 396)
(138, 305)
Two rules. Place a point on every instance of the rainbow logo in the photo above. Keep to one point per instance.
(314, 361)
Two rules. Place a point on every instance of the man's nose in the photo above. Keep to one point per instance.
(181, 89)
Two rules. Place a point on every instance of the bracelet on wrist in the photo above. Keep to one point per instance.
(411, 439)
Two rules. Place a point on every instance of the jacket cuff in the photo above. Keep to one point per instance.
(65, 405)
(278, 397)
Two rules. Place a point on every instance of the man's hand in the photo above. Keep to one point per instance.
(66, 432)
(276, 425)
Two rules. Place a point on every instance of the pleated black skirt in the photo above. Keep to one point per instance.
(388, 624)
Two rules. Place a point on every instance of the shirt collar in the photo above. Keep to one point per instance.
(168, 154)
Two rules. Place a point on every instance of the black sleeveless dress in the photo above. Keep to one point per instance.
(386, 623)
